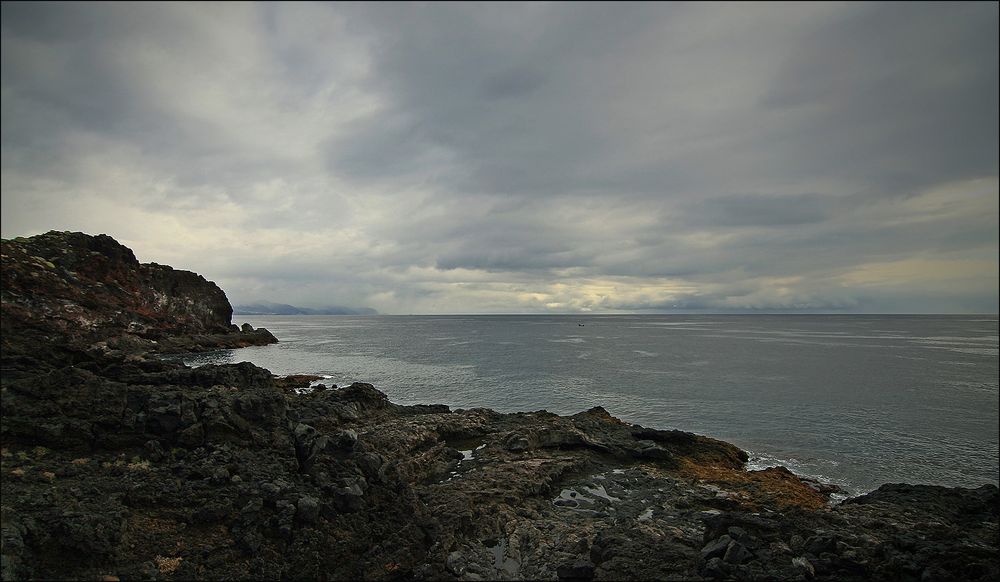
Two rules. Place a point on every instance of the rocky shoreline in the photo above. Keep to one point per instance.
(117, 464)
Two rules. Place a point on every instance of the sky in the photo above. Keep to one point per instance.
(520, 158)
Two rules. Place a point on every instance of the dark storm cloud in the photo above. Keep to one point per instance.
(58, 61)
(749, 210)
(904, 96)
(510, 97)
(529, 157)
(896, 97)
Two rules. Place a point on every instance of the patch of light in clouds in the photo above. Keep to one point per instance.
(479, 158)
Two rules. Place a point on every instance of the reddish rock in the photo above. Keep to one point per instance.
(67, 292)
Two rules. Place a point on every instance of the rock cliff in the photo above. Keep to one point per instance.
(67, 292)
(120, 465)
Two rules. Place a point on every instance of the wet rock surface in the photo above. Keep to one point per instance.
(118, 463)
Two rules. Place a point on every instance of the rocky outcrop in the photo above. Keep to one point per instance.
(120, 465)
(147, 469)
(67, 292)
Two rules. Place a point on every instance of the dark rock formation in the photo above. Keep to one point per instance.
(69, 292)
(119, 465)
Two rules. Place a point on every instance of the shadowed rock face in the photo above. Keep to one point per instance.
(92, 285)
(67, 291)
(115, 463)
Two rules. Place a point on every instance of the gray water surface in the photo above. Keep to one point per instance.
(855, 400)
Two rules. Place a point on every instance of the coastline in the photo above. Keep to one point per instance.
(822, 415)
(119, 464)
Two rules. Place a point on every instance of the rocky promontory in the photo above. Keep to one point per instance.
(67, 293)
(117, 465)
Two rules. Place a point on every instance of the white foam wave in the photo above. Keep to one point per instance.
(761, 461)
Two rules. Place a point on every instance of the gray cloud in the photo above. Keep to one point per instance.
(903, 98)
(763, 210)
(537, 157)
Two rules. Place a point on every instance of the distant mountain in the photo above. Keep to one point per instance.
(269, 308)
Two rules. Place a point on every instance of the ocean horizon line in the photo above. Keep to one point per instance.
(608, 314)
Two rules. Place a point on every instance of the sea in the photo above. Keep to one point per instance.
(854, 400)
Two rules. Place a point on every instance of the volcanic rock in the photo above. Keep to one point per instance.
(68, 295)
(117, 464)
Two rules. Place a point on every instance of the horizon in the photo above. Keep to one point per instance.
(720, 313)
(264, 302)
(608, 314)
(521, 159)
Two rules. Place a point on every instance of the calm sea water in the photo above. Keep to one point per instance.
(855, 400)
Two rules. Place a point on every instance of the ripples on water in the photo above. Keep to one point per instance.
(857, 400)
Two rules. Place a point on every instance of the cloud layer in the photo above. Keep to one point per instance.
(481, 158)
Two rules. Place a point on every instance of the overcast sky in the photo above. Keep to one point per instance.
(501, 158)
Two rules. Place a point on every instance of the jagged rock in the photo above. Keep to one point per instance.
(371, 465)
(716, 548)
(344, 439)
(64, 292)
(349, 496)
(649, 450)
(192, 436)
(516, 442)
(821, 544)
(576, 571)
(456, 563)
(737, 554)
(220, 476)
(715, 568)
(112, 460)
(803, 565)
(307, 509)
(308, 442)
